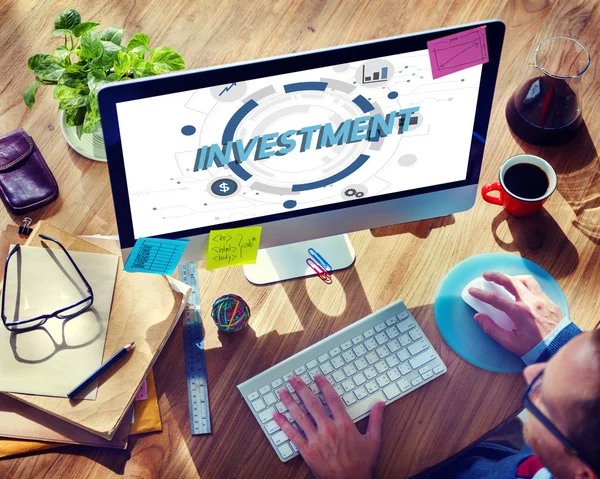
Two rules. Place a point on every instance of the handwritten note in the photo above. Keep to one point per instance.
(456, 52)
(155, 255)
(233, 247)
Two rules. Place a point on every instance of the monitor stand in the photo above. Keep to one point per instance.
(289, 261)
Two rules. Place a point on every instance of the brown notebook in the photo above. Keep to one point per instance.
(145, 309)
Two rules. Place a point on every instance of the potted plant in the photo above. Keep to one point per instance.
(85, 61)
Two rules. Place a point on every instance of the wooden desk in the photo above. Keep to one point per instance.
(406, 261)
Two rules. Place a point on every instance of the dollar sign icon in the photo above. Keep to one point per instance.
(224, 187)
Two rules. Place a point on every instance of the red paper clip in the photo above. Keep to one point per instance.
(317, 268)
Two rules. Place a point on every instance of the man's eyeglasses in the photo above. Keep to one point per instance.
(67, 312)
(533, 409)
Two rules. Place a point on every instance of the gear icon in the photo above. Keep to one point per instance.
(350, 192)
(359, 194)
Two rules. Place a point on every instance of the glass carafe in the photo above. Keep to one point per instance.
(546, 108)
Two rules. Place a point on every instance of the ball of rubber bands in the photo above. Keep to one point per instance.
(230, 313)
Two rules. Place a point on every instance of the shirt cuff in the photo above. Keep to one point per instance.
(531, 356)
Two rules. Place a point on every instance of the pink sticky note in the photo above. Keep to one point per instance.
(142, 394)
(459, 51)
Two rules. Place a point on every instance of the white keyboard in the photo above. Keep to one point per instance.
(381, 357)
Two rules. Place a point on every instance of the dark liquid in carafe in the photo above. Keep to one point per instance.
(544, 111)
(526, 181)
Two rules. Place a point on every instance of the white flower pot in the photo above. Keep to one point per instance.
(89, 145)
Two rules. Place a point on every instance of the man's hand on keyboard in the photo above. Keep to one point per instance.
(332, 447)
(532, 312)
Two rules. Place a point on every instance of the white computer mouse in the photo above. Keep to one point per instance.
(499, 317)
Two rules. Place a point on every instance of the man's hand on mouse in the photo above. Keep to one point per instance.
(332, 447)
(533, 313)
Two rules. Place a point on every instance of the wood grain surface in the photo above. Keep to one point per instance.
(405, 261)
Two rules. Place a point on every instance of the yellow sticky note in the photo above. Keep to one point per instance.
(233, 247)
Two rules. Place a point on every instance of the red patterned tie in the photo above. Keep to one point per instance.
(529, 467)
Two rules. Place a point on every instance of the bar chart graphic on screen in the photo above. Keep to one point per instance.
(374, 76)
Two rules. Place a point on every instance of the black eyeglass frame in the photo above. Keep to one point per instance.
(540, 416)
(56, 314)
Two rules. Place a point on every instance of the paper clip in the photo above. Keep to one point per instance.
(317, 268)
(25, 230)
(319, 259)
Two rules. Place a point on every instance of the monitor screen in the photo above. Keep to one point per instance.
(295, 143)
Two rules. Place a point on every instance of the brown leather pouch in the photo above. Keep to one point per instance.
(26, 182)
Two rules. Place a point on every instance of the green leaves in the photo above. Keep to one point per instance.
(36, 59)
(91, 47)
(109, 54)
(142, 68)
(29, 94)
(69, 97)
(83, 28)
(122, 64)
(138, 44)
(75, 116)
(111, 34)
(47, 69)
(166, 59)
(67, 19)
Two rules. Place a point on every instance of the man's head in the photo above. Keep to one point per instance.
(570, 397)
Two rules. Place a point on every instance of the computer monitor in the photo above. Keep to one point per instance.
(309, 145)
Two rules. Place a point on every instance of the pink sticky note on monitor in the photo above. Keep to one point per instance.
(142, 394)
(459, 51)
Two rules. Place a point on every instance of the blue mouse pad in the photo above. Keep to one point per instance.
(455, 320)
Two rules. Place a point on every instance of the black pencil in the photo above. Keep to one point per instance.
(112, 360)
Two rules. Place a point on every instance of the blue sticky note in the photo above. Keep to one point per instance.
(155, 255)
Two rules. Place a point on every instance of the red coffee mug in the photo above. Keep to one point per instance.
(513, 204)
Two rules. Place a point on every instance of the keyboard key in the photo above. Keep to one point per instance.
(404, 340)
(416, 334)
(253, 396)
(402, 315)
(393, 345)
(288, 416)
(329, 378)
(295, 398)
(337, 362)
(405, 325)
(417, 347)
(289, 387)
(371, 344)
(390, 322)
(339, 389)
(424, 369)
(299, 370)
(313, 372)
(422, 359)
(371, 387)
(380, 327)
(323, 357)
(326, 367)
(392, 333)
(427, 375)
(416, 381)
(381, 338)
(277, 383)
(382, 381)
(383, 351)
(311, 364)
(266, 415)
(359, 379)
(381, 367)
(368, 333)
(403, 384)
(279, 438)
(372, 358)
(361, 364)
(438, 369)
(370, 372)
(357, 339)
(391, 391)
(392, 360)
(278, 390)
(258, 405)
(265, 389)
(350, 370)
(348, 356)
(272, 427)
(286, 451)
(335, 351)
(404, 369)
(287, 376)
(314, 388)
(403, 355)
(360, 350)
(349, 399)
(394, 374)
(281, 407)
(364, 406)
(306, 378)
(339, 376)
(348, 385)
(361, 393)
(346, 345)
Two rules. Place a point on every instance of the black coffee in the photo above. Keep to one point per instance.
(526, 180)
